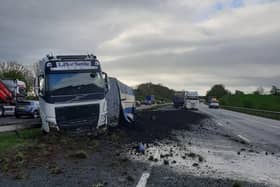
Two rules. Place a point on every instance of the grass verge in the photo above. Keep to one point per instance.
(255, 113)
(11, 140)
(261, 102)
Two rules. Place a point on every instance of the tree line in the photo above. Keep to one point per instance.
(159, 91)
(219, 91)
(14, 70)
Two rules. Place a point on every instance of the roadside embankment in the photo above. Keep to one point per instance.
(260, 102)
(260, 105)
(256, 112)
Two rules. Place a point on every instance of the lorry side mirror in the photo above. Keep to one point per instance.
(40, 88)
(36, 87)
(105, 77)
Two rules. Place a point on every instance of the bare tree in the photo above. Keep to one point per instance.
(259, 91)
(14, 70)
(274, 90)
(35, 69)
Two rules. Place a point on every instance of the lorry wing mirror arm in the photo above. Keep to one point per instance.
(36, 86)
(106, 78)
(39, 85)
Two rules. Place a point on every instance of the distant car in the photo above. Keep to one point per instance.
(214, 104)
(27, 108)
(138, 103)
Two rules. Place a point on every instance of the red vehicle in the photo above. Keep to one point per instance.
(11, 91)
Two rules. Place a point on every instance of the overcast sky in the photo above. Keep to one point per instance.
(182, 44)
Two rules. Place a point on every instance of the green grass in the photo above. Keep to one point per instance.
(11, 140)
(255, 113)
(262, 102)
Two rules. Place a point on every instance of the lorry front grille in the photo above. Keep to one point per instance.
(77, 116)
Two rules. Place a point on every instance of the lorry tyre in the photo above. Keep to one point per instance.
(17, 116)
(44, 132)
(122, 120)
(2, 111)
(35, 114)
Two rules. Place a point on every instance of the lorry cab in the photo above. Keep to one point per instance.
(191, 100)
(178, 99)
(71, 92)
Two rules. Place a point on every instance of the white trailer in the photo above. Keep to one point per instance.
(191, 100)
(120, 103)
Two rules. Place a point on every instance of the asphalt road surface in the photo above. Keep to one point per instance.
(166, 147)
(11, 123)
(256, 130)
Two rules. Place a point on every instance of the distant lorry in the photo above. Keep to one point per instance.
(191, 100)
(179, 99)
(11, 92)
(150, 99)
(74, 93)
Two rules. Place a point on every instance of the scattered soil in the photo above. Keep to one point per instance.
(148, 131)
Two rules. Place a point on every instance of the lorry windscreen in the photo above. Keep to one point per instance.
(75, 83)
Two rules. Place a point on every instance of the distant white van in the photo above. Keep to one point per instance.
(191, 100)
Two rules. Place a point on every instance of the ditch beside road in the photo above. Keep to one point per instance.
(182, 148)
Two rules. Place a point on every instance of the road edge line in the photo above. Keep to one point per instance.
(143, 180)
(244, 138)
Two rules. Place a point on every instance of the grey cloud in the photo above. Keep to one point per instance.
(150, 40)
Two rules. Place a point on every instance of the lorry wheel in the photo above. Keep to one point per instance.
(44, 132)
(122, 120)
(35, 114)
(2, 111)
(17, 116)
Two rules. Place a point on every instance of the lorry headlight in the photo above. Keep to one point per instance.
(104, 108)
(49, 64)
(52, 124)
(103, 118)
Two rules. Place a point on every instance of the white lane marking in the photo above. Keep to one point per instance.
(145, 175)
(220, 124)
(143, 180)
(243, 138)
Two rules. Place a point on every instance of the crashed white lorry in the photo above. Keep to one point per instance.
(75, 94)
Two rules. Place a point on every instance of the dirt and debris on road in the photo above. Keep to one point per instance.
(173, 144)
